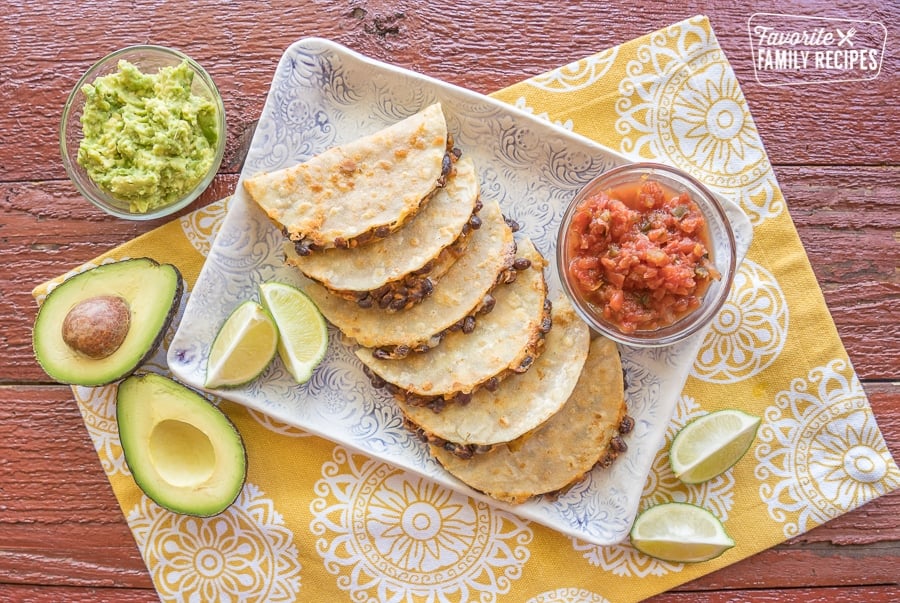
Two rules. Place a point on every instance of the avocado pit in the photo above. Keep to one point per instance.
(97, 326)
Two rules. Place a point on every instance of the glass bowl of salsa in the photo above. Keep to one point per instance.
(647, 254)
(143, 132)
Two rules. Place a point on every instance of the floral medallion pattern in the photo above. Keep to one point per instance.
(245, 554)
(567, 595)
(98, 410)
(577, 75)
(716, 495)
(820, 452)
(389, 535)
(681, 102)
(201, 226)
(749, 332)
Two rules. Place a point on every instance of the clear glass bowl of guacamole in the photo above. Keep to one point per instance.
(143, 132)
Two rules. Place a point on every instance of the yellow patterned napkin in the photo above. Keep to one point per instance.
(316, 521)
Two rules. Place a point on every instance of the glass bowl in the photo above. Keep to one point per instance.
(720, 245)
(149, 60)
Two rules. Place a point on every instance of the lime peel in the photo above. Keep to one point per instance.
(303, 333)
(243, 348)
(712, 444)
(680, 533)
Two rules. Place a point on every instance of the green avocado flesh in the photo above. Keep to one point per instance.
(151, 292)
(183, 452)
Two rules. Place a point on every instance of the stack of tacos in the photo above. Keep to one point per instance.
(449, 309)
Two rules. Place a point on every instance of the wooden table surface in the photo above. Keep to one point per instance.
(833, 147)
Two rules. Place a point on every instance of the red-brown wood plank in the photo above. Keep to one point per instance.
(872, 594)
(61, 524)
(68, 594)
(881, 594)
(479, 45)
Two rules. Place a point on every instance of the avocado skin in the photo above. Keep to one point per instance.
(66, 366)
(144, 397)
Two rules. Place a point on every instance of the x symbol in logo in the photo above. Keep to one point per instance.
(845, 37)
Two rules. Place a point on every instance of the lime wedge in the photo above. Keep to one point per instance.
(303, 336)
(712, 444)
(243, 347)
(680, 532)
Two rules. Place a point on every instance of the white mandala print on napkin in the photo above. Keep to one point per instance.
(716, 495)
(567, 595)
(244, 554)
(576, 75)
(201, 226)
(98, 410)
(681, 104)
(821, 453)
(393, 536)
(748, 333)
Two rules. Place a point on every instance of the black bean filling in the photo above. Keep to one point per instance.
(617, 445)
(465, 324)
(463, 451)
(438, 403)
(304, 246)
(466, 451)
(406, 292)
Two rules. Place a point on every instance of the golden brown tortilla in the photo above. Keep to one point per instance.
(562, 450)
(377, 181)
(421, 240)
(521, 402)
(456, 295)
(502, 341)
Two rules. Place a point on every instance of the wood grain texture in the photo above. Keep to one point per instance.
(61, 524)
(882, 594)
(482, 46)
(62, 534)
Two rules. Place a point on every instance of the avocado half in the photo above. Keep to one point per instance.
(183, 452)
(100, 325)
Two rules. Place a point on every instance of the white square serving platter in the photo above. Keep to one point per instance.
(322, 95)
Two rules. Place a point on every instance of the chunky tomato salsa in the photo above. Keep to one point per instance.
(640, 255)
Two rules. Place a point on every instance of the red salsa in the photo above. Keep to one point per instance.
(639, 254)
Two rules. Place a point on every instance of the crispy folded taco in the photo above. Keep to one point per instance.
(364, 188)
(520, 403)
(416, 251)
(461, 293)
(585, 432)
(506, 340)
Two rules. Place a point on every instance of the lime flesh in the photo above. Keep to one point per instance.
(711, 445)
(303, 334)
(680, 532)
(243, 347)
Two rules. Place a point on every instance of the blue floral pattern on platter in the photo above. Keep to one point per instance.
(322, 95)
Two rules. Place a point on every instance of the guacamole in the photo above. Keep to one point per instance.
(147, 139)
